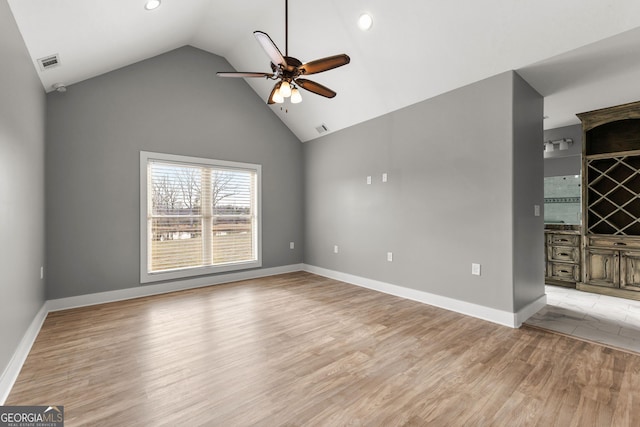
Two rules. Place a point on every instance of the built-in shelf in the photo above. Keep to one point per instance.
(611, 201)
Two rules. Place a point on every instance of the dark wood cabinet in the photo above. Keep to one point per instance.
(630, 271)
(611, 201)
(602, 267)
(562, 253)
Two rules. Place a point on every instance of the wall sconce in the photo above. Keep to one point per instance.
(562, 144)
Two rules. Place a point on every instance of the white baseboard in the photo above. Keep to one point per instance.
(523, 314)
(165, 287)
(10, 374)
(501, 317)
(12, 371)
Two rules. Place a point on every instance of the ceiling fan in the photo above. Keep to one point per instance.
(289, 70)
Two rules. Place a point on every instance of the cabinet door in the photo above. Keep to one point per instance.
(603, 267)
(630, 271)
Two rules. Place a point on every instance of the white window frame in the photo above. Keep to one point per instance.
(145, 275)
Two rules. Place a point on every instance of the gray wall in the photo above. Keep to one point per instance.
(528, 190)
(22, 127)
(449, 200)
(172, 103)
(567, 162)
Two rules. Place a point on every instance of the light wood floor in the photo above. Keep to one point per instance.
(299, 349)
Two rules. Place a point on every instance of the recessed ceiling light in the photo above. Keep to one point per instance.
(365, 21)
(152, 4)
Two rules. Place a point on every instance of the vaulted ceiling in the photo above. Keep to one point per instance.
(580, 54)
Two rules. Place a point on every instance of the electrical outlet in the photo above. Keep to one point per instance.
(335, 249)
(475, 269)
(369, 180)
(389, 256)
(536, 210)
(41, 272)
(291, 245)
(384, 177)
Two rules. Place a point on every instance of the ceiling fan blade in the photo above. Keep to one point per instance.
(270, 48)
(324, 64)
(243, 74)
(316, 88)
(273, 91)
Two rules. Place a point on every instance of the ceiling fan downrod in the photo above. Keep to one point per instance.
(286, 27)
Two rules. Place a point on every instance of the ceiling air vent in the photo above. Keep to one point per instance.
(322, 129)
(49, 62)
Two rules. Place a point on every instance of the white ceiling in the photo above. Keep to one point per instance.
(580, 54)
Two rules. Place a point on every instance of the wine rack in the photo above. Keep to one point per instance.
(613, 195)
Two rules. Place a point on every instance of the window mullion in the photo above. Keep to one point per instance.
(253, 213)
(149, 219)
(207, 222)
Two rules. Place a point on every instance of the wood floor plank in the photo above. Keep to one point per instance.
(299, 349)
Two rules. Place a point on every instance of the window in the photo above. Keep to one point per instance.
(198, 216)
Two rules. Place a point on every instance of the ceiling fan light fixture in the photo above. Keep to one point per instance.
(152, 4)
(296, 98)
(365, 22)
(277, 97)
(285, 89)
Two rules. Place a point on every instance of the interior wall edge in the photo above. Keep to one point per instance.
(530, 309)
(22, 196)
(13, 368)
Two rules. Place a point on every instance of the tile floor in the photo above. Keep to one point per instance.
(600, 318)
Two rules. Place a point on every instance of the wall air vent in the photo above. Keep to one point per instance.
(322, 129)
(49, 62)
